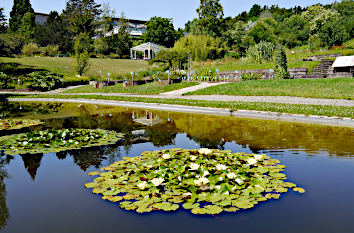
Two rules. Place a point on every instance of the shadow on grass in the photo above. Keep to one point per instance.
(17, 69)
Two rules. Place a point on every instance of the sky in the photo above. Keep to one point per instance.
(179, 10)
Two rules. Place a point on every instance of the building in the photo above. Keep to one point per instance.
(136, 27)
(344, 64)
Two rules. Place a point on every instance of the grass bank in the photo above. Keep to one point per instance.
(146, 89)
(336, 88)
(64, 65)
(233, 106)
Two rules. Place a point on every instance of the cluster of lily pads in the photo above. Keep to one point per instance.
(56, 140)
(204, 181)
(9, 124)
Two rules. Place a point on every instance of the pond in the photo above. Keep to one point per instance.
(45, 192)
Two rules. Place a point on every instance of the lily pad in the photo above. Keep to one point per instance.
(57, 140)
(10, 124)
(203, 181)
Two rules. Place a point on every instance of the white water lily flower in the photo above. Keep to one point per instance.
(201, 181)
(25, 143)
(194, 166)
(220, 178)
(226, 193)
(217, 187)
(204, 180)
(187, 194)
(251, 161)
(231, 175)
(76, 143)
(179, 178)
(259, 186)
(258, 157)
(166, 156)
(205, 173)
(157, 181)
(221, 167)
(239, 181)
(142, 185)
(193, 158)
(197, 182)
(205, 151)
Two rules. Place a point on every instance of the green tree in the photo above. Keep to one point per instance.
(346, 9)
(161, 31)
(82, 57)
(28, 25)
(334, 32)
(83, 16)
(210, 18)
(281, 64)
(3, 26)
(254, 12)
(295, 31)
(317, 16)
(55, 31)
(122, 39)
(19, 9)
(263, 30)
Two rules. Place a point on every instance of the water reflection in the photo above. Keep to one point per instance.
(153, 129)
(4, 212)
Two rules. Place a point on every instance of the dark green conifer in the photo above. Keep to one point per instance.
(281, 64)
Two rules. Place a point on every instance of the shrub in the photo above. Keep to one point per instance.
(74, 80)
(44, 80)
(30, 49)
(82, 62)
(206, 72)
(4, 80)
(50, 51)
(281, 65)
(250, 76)
(261, 52)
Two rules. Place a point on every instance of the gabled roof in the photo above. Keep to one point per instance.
(346, 61)
(148, 46)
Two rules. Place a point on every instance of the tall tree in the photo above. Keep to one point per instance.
(83, 16)
(210, 22)
(122, 38)
(55, 31)
(2, 21)
(19, 9)
(281, 65)
(161, 31)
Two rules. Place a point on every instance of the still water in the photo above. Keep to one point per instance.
(45, 192)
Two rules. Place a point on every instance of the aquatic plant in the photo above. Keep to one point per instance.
(56, 140)
(204, 181)
(9, 124)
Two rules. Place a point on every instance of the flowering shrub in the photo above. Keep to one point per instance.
(205, 181)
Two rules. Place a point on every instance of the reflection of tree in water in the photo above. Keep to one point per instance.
(162, 134)
(13, 109)
(209, 142)
(32, 163)
(4, 212)
(88, 157)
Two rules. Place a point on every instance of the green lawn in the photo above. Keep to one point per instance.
(336, 88)
(233, 106)
(64, 65)
(149, 88)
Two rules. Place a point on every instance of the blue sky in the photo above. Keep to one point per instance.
(179, 10)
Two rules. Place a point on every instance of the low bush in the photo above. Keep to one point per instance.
(30, 49)
(74, 80)
(251, 76)
(4, 80)
(44, 80)
(50, 51)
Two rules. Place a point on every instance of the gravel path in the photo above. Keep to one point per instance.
(182, 91)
